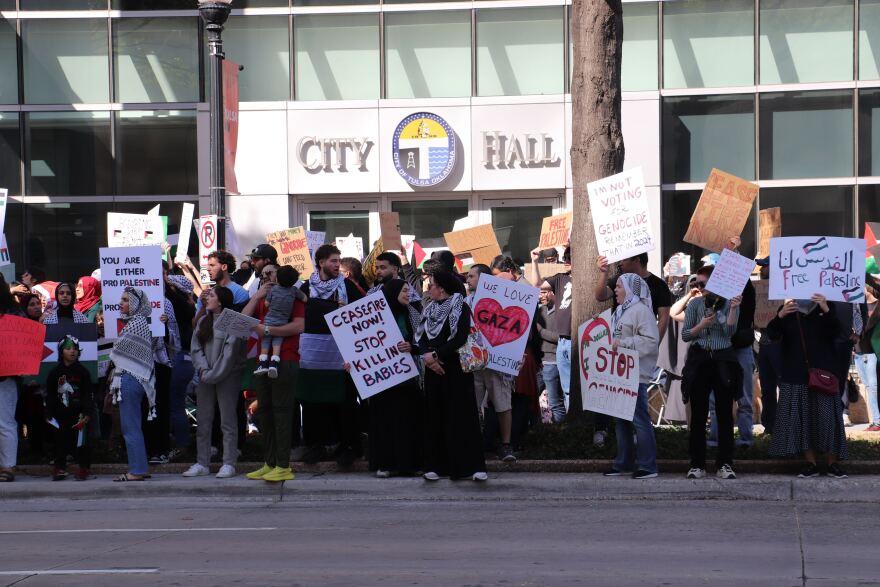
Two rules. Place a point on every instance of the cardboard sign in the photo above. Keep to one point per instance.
(133, 230)
(769, 226)
(722, 211)
(801, 266)
(87, 334)
(389, 224)
(293, 249)
(186, 216)
(351, 246)
(367, 337)
(22, 343)
(730, 274)
(609, 379)
(479, 242)
(555, 231)
(139, 267)
(679, 265)
(235, 323)
(765, 308)
(621, 221)
(207, 244)
(503, 311)
(314, 239)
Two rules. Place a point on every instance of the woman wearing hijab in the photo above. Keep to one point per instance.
(31, 306)
(218, 358)
(807, 421)
(64, 311)
(88, 297)
(453, 441)
(134, 378)
(634, 327)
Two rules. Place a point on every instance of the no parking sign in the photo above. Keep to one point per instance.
(207, 244)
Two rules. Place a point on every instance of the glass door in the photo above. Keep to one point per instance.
(517, 223)
(340, 220)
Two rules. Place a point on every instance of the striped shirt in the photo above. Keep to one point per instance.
(714, 338)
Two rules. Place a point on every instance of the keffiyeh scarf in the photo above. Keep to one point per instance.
(413, 314)
(636, 292)
(438, 313)
(133, 351)
(324, 290)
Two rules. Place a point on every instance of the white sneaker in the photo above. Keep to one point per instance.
(196, 470)
(480, 476)
(380, 474)
(431, 476)
(726, 472)
(696, 473)
(225, 472)
(599, 439)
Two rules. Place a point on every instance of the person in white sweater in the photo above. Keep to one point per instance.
(634, 327)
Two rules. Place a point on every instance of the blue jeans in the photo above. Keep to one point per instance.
(644, 452)
(744, 419)
(181, 374)
(563, 366)
(8, 424)
(867, 367)
(554, 392)
(130, 416)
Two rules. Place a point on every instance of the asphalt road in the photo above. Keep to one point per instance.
(493, 536)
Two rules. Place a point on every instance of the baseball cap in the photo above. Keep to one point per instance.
(264, 251)
(763, 262)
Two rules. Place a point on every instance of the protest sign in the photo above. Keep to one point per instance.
(609, 378)
(769, 226)
(479, 242)
(4, 194)
(389, 224)
(235, 323)
(232, 245)
(367, 337)
(555, 231)
(154, 211)
(722, 211)
(4, 253)
(503, 312)
(133, 230)
(315, 239)
(765, 308)
(207, 244)
(801, 266)
(86, 334)
(293, 249)
(351, 246)
(679, 265)
(139, 267)
(621, 220)
(186, 216)
(408, 243)
(22, 343)
(730, 274)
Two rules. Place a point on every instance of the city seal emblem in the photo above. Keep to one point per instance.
(424, 149)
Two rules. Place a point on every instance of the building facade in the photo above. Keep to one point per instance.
(103, 108)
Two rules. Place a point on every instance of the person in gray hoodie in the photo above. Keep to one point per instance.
(634, 327)
(218, 358)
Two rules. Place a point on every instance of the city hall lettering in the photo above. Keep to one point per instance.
(317, 154)
(505, 151)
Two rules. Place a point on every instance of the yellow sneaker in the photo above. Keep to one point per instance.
(259, 473)
(279, 474)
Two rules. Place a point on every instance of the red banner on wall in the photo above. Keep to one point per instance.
(22, 343)
(230, 123)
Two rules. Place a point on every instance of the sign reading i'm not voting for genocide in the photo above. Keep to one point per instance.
(801, 266)
(503, 312)
(367, 337)
(139, 267)
(619, 205)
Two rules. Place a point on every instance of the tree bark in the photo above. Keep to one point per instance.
(596, 147)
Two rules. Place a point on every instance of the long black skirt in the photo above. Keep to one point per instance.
(396, 429)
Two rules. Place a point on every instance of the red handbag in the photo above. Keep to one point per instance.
(818, 380)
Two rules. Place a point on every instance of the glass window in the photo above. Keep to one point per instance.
(10, 152)
(7, 4)
(66, 61)
(869, 39)
(808, 211)
(702, 132)
(520, 51)
(63, 4)
(8, 62)
(677, 209)
(14, 229)
(639, 68)
(260, 44)
(69, 153)
(429, 219)
(164, 138)
(805, 42)
(869, 132)
(518, 228)
(869, 206)
(708, 44)
(428, 54)
(332, 2)
(187, 4)
(156, 59)
(806, 134)
(342, 223)
(337, 57)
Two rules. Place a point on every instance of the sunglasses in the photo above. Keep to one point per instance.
(700, 284)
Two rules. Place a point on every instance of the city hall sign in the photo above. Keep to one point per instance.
(510, 150)
(326, 154)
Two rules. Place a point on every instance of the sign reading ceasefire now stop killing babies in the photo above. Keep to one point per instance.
(503, 312)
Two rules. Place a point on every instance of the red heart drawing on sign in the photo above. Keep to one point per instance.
(500, 325)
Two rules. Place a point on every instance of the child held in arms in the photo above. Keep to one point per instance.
(280, 303)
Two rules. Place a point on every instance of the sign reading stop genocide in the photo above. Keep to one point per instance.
(503, 312)
(609, 378)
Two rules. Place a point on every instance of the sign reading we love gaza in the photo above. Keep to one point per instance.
(503, 311)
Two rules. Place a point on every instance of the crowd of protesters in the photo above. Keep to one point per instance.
(292, 380)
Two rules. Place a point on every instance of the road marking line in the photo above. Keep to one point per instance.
(81, 572)
(100, 530)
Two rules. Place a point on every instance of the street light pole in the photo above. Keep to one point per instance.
(214, 13)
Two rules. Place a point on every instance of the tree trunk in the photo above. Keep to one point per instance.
(596, 147)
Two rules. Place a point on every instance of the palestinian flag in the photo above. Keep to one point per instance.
(88, 344)
(872, 250)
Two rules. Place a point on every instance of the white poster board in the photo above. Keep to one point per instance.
(730, 275)
(134, 230)
(801, 266)
(235, 323)
(207, 244)
(503, 311)
(408, 242)
(186, 216)
(621, 220)
(609, 379)
(367, 337)
(679, 265)
(4, 196)
(351, 246)
(314, 239)
(4, 252)
(139, 267)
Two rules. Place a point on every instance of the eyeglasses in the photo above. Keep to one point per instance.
(700, 284)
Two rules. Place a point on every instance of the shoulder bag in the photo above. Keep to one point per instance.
(819, 380)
